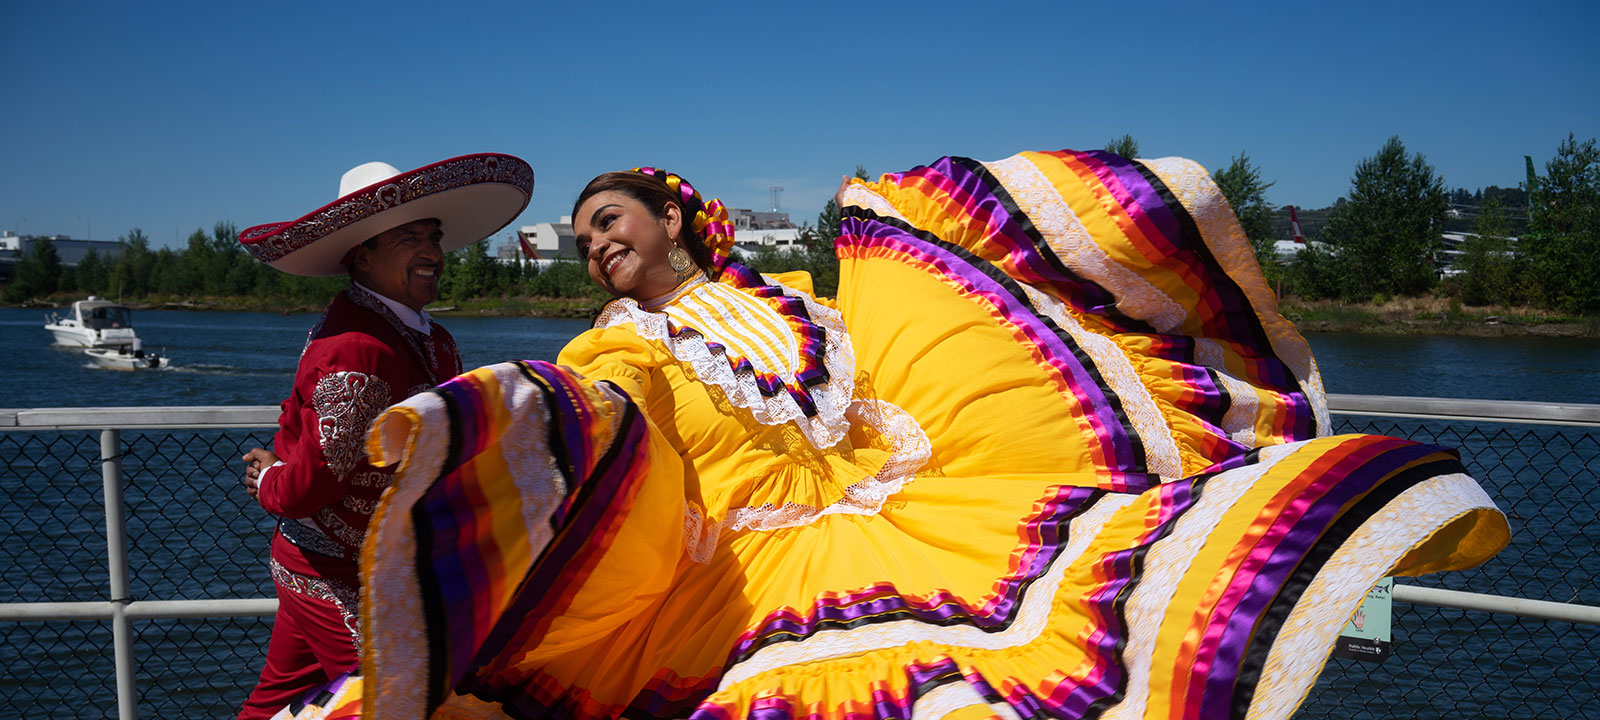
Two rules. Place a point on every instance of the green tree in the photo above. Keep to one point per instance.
(768, 259)
(1125, 146)
(471, 273)
(1563, 241)
(38, 273)
(164, 272)
(192, 265)
(1490, 270)
(131, 276)
(268, 282)
(92, 274)
(1511, 197)
(1241, 185)
(562, 279)
(815, 253)
(313, 292)
(1388, 234)
(1315, 273)
(232, 271)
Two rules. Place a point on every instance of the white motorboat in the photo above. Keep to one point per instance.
(125, 359)
(93, 323)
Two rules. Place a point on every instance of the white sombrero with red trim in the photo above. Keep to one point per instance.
(471, 196)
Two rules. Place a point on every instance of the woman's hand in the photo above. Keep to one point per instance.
(838, 196)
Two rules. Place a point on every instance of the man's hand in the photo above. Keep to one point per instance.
(256, 461)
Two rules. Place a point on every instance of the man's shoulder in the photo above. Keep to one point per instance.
(348, 349)
(350, 329)
(345, 317)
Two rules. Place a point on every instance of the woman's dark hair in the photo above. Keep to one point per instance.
(653, 193)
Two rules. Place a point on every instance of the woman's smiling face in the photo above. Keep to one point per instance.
(626, 245)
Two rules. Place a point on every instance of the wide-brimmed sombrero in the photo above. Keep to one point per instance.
(471, 196)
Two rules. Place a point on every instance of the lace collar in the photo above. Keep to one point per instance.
(813, 394)
(673, 295)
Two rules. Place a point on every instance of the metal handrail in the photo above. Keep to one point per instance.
(140, 609)
(263, 416)
(1503, 411)
(1524, 607)
(186, 417)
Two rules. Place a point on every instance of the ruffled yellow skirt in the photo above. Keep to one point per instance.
(1132, 507)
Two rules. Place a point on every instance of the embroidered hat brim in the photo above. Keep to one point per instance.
(472, 197)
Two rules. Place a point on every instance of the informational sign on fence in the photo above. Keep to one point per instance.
(1366, 633)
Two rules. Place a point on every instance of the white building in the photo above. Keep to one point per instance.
(746, 219)
(550, 241)
(752, 240)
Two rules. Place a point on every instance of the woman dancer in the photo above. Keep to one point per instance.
(1054, 453)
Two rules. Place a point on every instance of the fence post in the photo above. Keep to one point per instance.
(117, 567)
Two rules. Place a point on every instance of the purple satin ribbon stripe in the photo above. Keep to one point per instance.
(1230, 317)
(1047, 534)
(1376, 460)
(1073, 697)
(1004, 230)
(459, 569)
(605, 496)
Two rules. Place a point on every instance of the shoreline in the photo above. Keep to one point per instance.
(521, 306)
(1403, 316)
(1434, 316)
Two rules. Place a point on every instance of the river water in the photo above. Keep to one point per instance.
(222, 358)
(238, 358)
(184, 485)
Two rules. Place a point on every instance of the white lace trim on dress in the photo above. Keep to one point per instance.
(832, 398)
(911, 451)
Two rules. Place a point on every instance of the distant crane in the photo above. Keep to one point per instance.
(1533, 186)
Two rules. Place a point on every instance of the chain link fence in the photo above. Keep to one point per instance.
(193, 534)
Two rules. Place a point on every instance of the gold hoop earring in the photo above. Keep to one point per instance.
(681, 263)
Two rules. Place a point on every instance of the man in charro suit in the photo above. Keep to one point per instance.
(374, 346)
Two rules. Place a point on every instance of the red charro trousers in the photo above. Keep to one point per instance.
(314, 639)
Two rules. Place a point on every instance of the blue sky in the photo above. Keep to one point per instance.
(172, 116)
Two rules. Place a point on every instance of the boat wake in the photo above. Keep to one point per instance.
(216, 369)
(98, 366)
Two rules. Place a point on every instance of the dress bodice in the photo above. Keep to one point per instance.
(722, 374)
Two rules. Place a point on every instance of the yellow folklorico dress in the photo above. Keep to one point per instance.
(1054, 453)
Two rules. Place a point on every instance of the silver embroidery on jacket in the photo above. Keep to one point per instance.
(371, 478)
(340, 530)
(345, 404)
(365, 506)
(344, 596)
